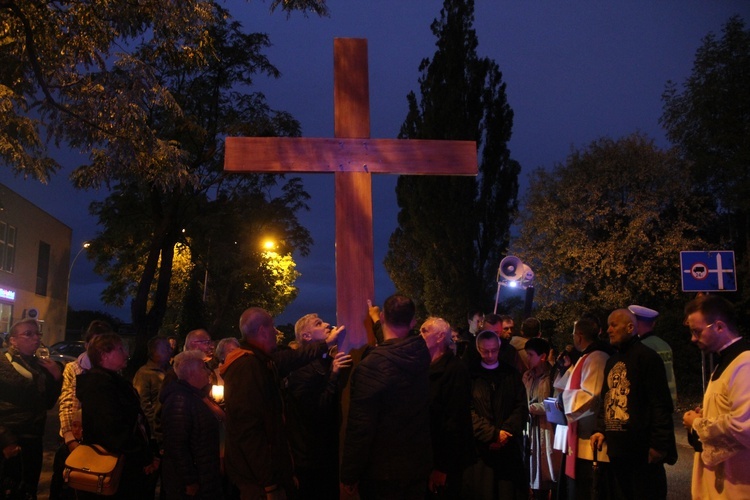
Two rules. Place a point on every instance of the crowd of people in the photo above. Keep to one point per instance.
(426, 411)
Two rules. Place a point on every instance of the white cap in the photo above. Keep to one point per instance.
(643, 313)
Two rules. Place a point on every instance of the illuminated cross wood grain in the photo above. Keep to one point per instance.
(352, 157)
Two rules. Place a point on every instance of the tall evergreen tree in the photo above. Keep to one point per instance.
(453, 231)
(708, 119)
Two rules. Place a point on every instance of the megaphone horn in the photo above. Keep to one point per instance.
(511, 268)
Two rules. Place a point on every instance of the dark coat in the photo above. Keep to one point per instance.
(257, 449)
(24, 401)
(648, 404)
(113, 418)
(312, 412)
(387, 434)
(112, 415)
(191, 442)
(450, 414)
(499, 403)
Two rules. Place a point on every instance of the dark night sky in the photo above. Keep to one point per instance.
(575, 71)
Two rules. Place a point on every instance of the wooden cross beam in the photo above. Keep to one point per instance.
(352, 157)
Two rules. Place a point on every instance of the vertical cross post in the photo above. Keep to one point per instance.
(352, 157)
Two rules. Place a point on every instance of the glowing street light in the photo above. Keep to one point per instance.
(269, 244)
(86, 245)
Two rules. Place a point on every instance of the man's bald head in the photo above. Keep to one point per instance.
(621, 326)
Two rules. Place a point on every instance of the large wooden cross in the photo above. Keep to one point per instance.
(352, 157)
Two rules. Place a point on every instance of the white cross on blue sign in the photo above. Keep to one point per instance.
(708, 271)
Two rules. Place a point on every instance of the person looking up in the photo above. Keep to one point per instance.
(450, 414)
(312, 410)
(387, 450)
(257, 455)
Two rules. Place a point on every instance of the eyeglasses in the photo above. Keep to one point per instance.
(697, 332)
(30, 333)
(204, 342)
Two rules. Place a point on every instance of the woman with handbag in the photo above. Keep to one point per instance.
(112, 415)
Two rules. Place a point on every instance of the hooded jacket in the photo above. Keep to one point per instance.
(388, 428)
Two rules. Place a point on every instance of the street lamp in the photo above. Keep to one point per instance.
(85, 245)
(269, 244)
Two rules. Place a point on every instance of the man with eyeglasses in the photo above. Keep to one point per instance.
(200, 340)
(29, 386)
(722, 458)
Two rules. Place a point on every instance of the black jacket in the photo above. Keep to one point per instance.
(191, 442)
(312, 415)
(257, 449)
(112, 415)
(387, 434)
(113, 418)
(450, 414)
(499, 403)
(636, 412)
(24, 401)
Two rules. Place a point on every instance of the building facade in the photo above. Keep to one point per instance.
(34, 266)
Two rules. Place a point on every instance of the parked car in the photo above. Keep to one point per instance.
(65, 351)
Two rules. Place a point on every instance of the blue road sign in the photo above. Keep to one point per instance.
(708, 271)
